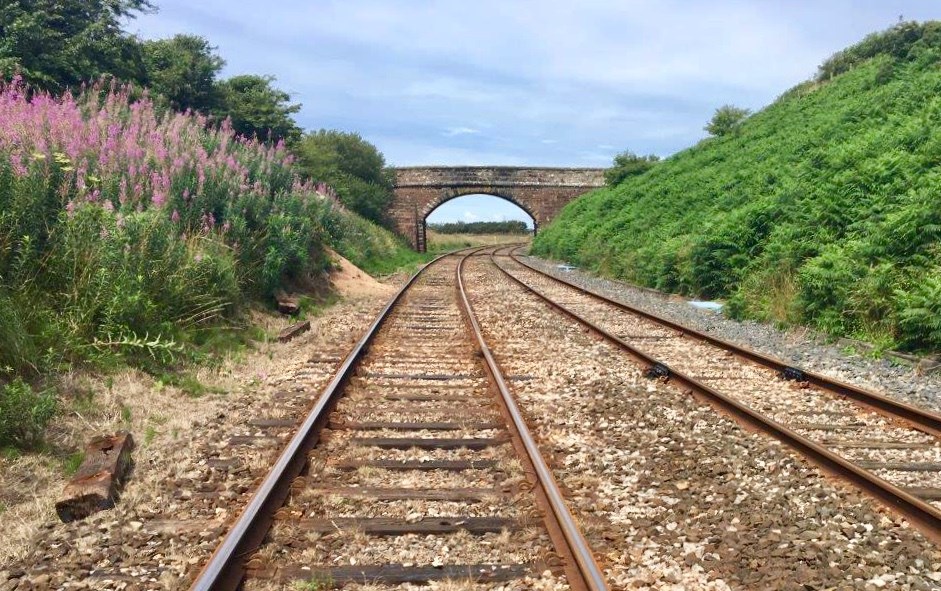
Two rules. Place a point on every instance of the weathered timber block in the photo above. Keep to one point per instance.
(99, 479)
(294, 330)
(287, 304)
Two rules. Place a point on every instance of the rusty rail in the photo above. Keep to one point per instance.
(918, 417)
(588, 569)
(225, 570)
(926, 517)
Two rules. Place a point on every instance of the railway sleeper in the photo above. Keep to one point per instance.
(412, 426)
(387, 526)
(451, 465)
(429, 442)
(394, 574)
(466, 494)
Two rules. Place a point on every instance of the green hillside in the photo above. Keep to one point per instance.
(822, 209)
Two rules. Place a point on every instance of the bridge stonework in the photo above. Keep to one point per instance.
(540, 192)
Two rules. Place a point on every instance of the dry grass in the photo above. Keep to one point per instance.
(437, 241)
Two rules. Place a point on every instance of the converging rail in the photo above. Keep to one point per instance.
(413, 465)
(887, 448)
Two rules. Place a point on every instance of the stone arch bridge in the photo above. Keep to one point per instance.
(540, 192)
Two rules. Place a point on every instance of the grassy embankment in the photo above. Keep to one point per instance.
(130, 236)
(823, 209)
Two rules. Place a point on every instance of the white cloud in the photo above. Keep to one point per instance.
(562, 83)
(453, 131)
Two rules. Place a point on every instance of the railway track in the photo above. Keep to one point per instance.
(889, 449)
(413, 466)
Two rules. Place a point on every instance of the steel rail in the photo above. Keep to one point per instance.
(587, 567)
(224, 570)
(921, 514)
(920, 418)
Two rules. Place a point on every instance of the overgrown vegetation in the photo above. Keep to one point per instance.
(823, 209)
(139, 220)
(128, 233)
(504, 227)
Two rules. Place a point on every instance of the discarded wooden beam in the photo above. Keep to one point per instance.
(289, 305)
(96, 485)
(294, 330)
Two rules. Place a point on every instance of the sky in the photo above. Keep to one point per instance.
(526, 82)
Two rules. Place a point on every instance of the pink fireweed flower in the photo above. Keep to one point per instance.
(175, 217)
(19, 169)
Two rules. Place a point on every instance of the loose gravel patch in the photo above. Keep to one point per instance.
(672, 495)
(799, 347)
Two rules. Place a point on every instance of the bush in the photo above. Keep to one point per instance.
(128, 231)
(628, 164)
(725, 120)
(353, 167)
(24, 414)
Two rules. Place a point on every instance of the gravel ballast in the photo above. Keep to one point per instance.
(830, 420)
(671, 494)
(800, 347)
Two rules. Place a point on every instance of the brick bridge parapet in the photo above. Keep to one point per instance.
(540, 192)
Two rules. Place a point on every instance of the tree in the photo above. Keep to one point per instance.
(627, 164)
(726, 119)
(183, 69)
(353, 166)
(56, 44)
(257, 108)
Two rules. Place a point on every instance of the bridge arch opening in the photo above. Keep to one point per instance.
(540, 191)
(472, 207)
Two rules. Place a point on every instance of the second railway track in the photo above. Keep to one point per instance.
(414, 466)
(889, 449)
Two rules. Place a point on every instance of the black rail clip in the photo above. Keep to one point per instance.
(793, 374)
(657, 370)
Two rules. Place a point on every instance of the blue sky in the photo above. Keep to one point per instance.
(541, 82)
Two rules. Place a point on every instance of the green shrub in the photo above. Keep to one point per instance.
(24, 414)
